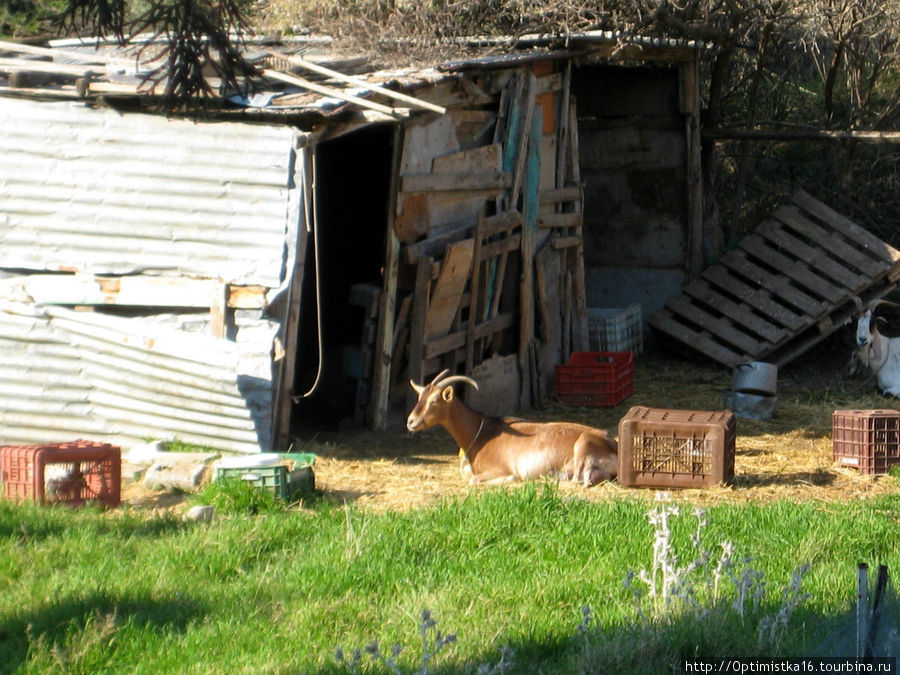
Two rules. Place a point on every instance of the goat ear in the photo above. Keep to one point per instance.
(447, 394)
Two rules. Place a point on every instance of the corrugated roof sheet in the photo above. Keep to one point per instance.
(91, 190)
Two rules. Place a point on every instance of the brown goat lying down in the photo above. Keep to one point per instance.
(507, 449)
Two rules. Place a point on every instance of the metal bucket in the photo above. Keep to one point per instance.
(753, 406)
(755, 377)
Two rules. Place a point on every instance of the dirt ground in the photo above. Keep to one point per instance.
(787, 457)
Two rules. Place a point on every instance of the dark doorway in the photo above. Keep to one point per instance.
(352, 181)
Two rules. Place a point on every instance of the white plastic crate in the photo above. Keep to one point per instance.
(615, 329)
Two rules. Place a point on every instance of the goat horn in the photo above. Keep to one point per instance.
(456, 378)
(439, 376)
(882, 303)
(418, 387)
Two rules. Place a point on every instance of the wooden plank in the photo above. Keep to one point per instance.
(559, 243)
(498, 248)
(567, 316)
(44, 67)
(664, 321)
(847, 227)
(739, 312)
(563, 142)
(247, 297)
(430, 182)
(830, 240)
(417, 327)
(396, 113)
(523, 111)
(530, 205)
(137, 290)
(812, 256)
(462, 206)
(445, 299)
(457, 340)
(358, 82)
(756, 297)
(547, 275)
(796, 270)
(114, 63)
(501, 223)
(561, 194)
(483, 158)
(411, 220)
(218, 316)
(475, 290)
(387, 354)
(779, 287)
(581, 340)
(718, 326)
(556, 220)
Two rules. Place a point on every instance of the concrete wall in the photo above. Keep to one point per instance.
(633, 158)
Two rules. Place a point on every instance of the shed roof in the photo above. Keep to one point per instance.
(306, 81)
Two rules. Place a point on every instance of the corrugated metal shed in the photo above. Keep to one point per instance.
(188, 211)
(97, 191)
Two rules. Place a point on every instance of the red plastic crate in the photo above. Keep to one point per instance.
(676, 448)
(868, 440)
(70, 473)
(595, 379)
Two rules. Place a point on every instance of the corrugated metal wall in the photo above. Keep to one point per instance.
(103, 192)
(108, 193)
(66, 375)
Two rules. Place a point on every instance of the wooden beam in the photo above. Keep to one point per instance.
(435, 182)
(51, 67)
(137, 290)
(396, 113)
(110, 62)
(334, 74)
(801, 135)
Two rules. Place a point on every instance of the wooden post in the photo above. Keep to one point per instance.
(872, 631)
(530, 206)
(862, 608)
(475, 301)
(691, 105)
(292, 315)
(379, 403)
(218, 310)
(580, 324)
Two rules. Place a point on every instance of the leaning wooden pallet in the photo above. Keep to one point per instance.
(801, 275)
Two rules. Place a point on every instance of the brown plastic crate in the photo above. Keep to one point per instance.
(868, 440)
(676, 448)
(84, 471)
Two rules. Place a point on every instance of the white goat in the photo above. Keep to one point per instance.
(879, 353)
(501, 450)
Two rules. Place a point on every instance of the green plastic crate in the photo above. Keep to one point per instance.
(284, 483)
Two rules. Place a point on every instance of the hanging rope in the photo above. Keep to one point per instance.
(314, 219)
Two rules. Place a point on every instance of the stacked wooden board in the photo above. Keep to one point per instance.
(801, 275)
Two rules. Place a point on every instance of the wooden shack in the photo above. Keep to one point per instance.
(468, 226)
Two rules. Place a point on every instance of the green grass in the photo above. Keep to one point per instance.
(86, 591)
